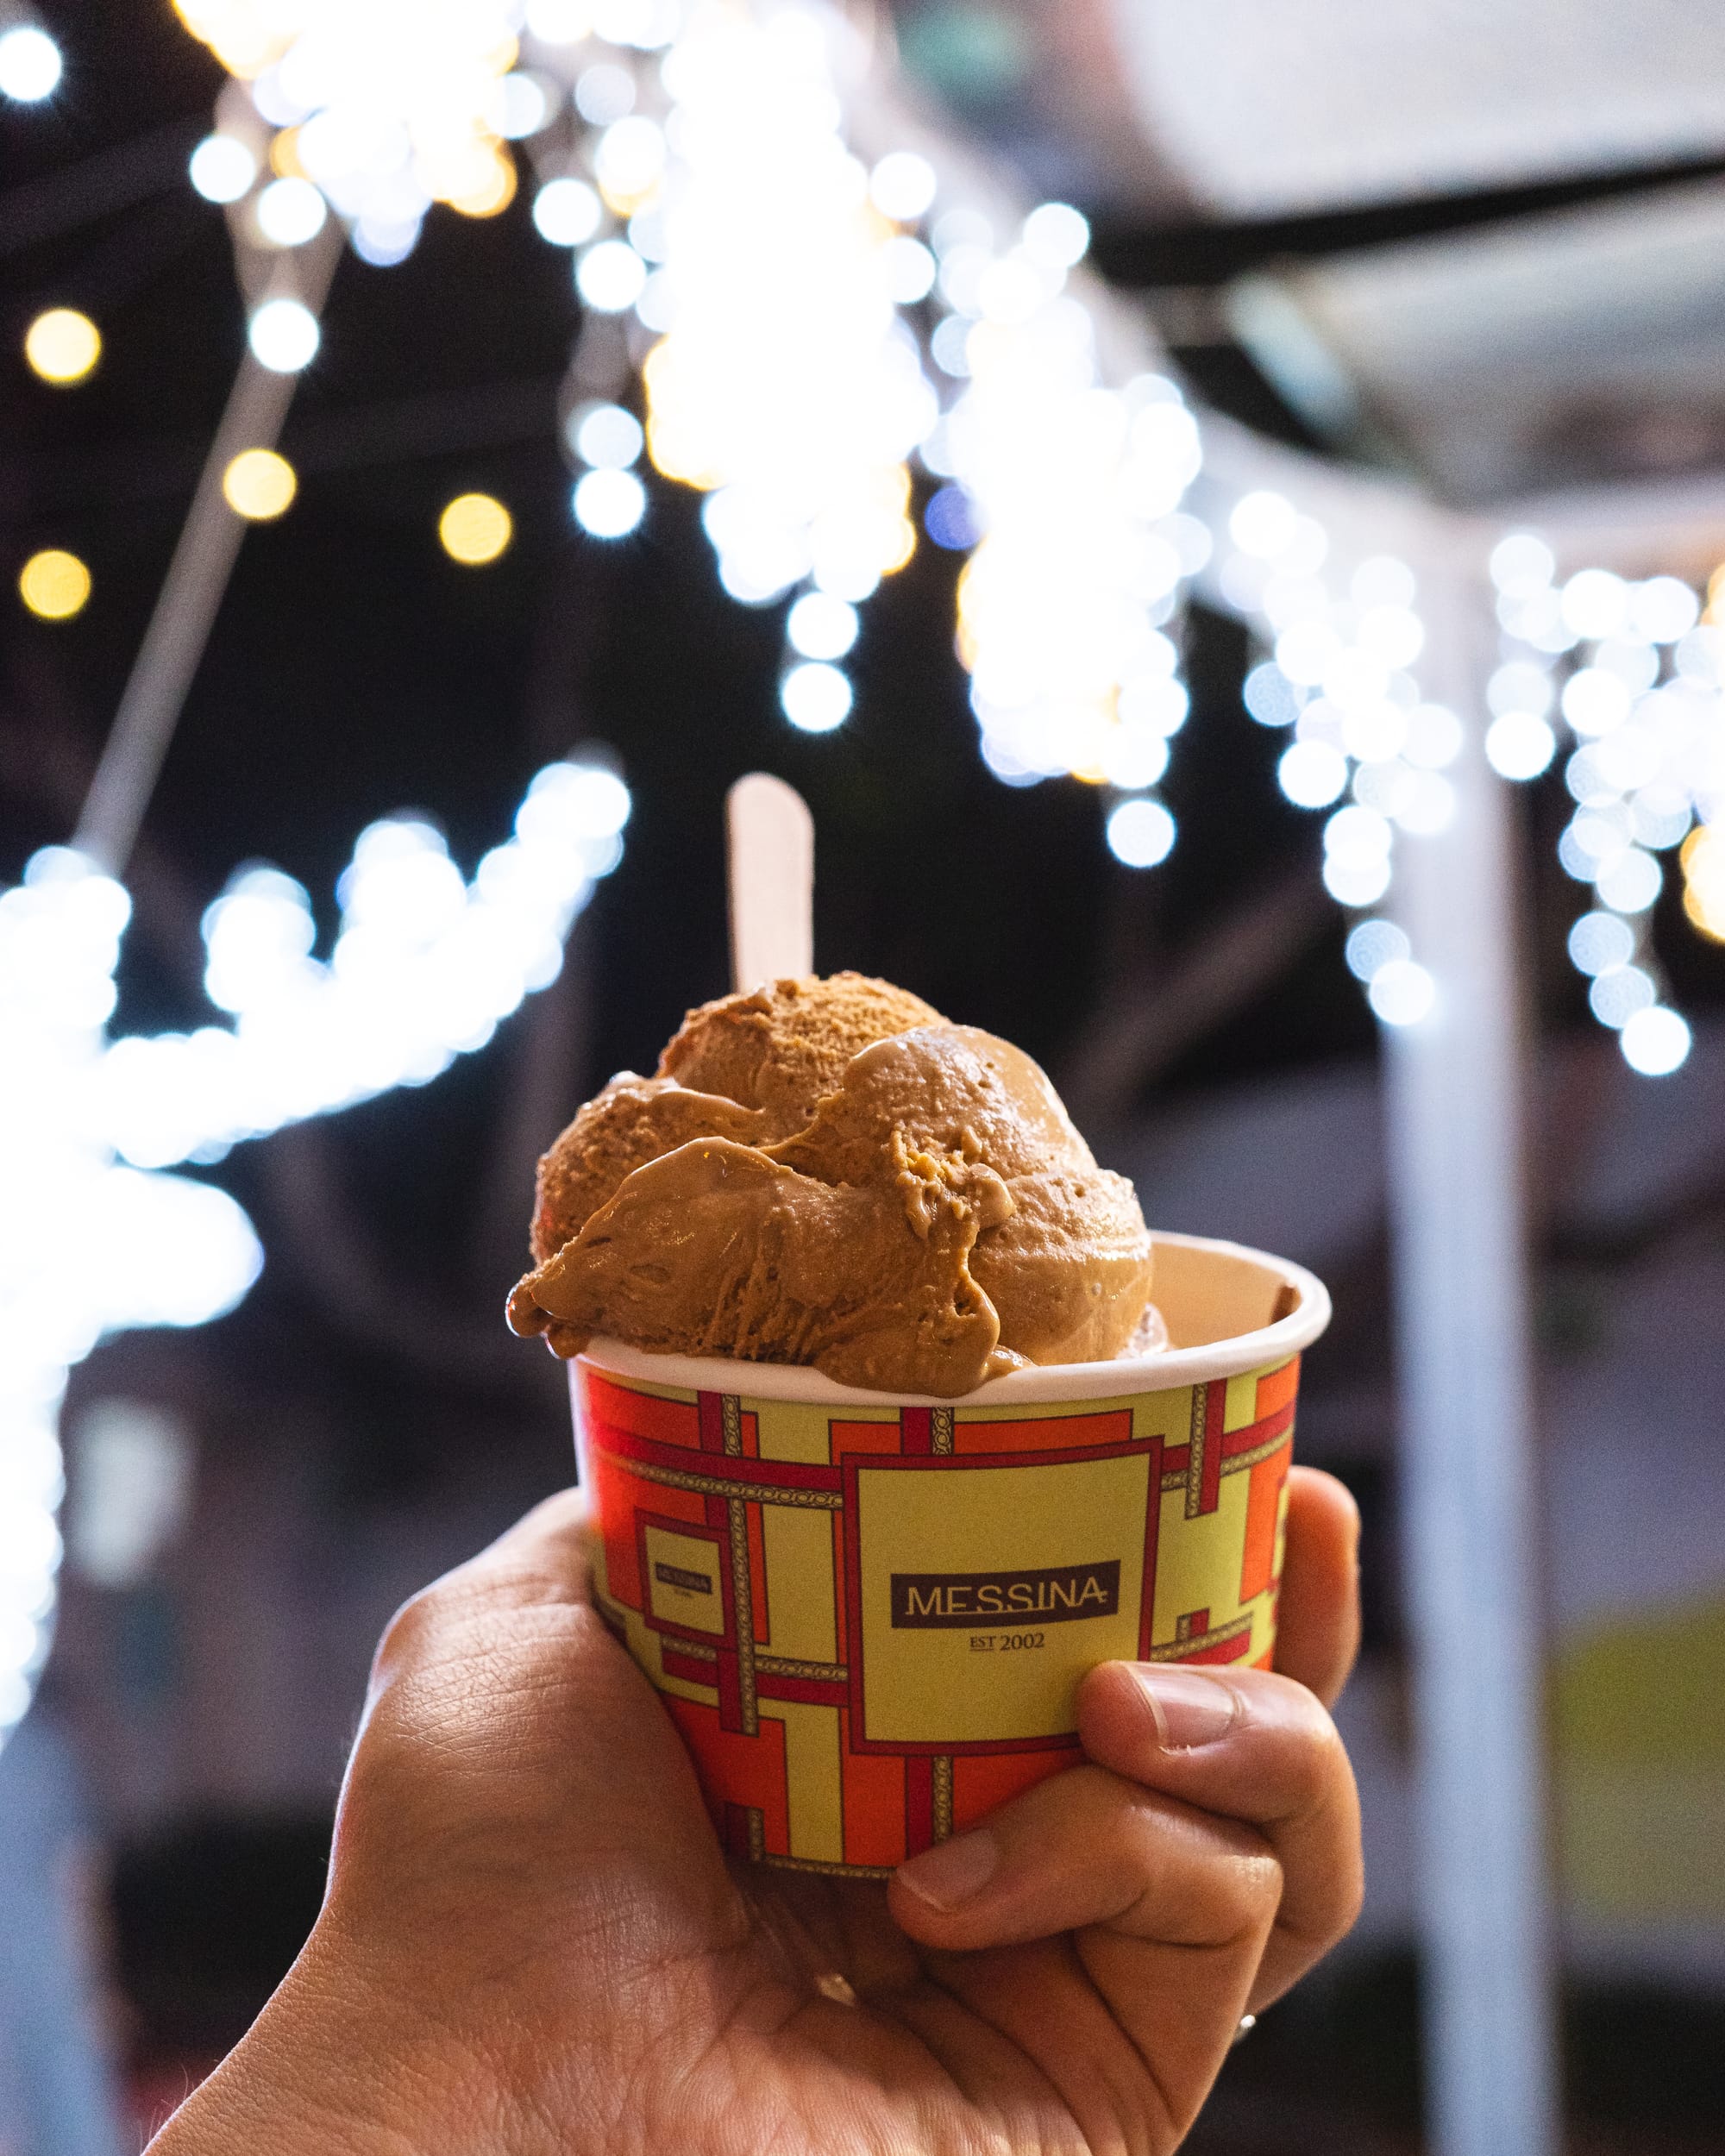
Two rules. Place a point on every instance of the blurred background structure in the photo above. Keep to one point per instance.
(436, 465)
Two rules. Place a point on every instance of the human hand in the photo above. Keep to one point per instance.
(531, 1942)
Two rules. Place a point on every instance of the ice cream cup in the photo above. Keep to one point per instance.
(869, 1613)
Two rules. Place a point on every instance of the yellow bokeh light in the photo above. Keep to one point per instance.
(474, 529)
(284, 155)
(1703, 881)
(258, 485)
(489, 188)
(62, 345)
(53, 583)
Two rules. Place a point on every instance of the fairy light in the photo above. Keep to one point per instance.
(783, 384)
(1362, 742)
(53, 583)
(223, 168)
(1072, 491)
(284, 335)
(1630, 678)
(62, 346)
(259, 484)
(712, 196)
(30, 64)
(95, 1235)
(393, 106)
(475, 528)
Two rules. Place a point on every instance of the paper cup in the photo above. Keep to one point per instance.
(869, 1613)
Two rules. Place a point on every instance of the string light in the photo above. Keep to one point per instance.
(1704, 881)
(53, 583)
(609, 503)
(816, 697)
(259, 484)
(474, 529)
(284, 335)
(223, 168)
(1364, 743)
(1634, 675)
(1075, 490)
(568, 212)
(424, 966)
(290, 212)
(30, 64)
(62, 346)
(392, 107)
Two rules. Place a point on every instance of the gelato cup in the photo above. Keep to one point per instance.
(869, 1613)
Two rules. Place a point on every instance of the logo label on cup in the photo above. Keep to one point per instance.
(679, 1575)
(1053, 1595)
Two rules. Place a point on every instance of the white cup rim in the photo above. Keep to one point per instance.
(1162, 1372)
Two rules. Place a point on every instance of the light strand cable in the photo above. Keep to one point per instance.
(190, 595)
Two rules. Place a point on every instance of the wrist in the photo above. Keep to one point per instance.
(329, 2069)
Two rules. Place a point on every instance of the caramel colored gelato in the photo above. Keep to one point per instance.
(828, 1172)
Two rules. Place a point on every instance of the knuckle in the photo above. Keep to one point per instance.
(408, 1636)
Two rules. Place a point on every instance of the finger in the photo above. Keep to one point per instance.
(1254, 1748)
(1317, 1624)
(1145, 1918)
(1218, 1781)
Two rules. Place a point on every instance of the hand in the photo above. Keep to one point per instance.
(531, 1943)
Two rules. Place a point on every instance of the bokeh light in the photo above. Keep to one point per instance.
(290, 212)
(607, 436)
(1656, 1041)
(568, 212)
(53, 583)
(284, 335)
(62, 345)
(1402, 993)
(1140, 833)
(390, 107)
(902, 185)
(816, 698)
(223, 168)
(1703, 881)
(259, 484)
(474, 529)
(609, 503)
(424, 966)
(819, 626)
(30, 64)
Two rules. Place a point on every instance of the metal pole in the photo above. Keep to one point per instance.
(1459, 1225)
(191, 593)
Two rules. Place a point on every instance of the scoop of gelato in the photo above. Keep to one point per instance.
(828, 1172)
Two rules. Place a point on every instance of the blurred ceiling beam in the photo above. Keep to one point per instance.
(75, 195)
(1139, 1031)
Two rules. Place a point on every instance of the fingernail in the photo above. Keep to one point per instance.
(1189, 1708)
(953, 1871)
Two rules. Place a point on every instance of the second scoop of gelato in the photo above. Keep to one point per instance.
(827, 1172)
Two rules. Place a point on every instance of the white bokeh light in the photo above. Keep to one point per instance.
(609, 503)
(284, 335)
(568, 212)
(424, 967)
(223, 168)
(819, 626)
(1656, 1041)
(1141, 833)
(290, 212)
(816, 698)
(30, 64)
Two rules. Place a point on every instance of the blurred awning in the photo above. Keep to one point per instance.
(1513, 347)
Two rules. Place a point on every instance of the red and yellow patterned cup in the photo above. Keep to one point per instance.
(869, 1613)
